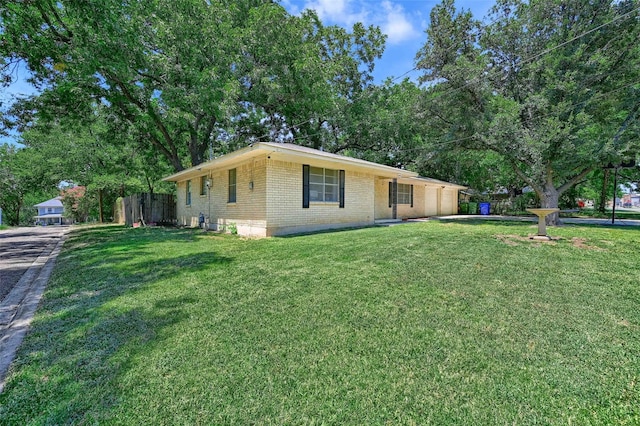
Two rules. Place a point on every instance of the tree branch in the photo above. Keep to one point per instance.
(525, 178)
(146, 107)
(45, 17)
(571, 182)
(170, 151)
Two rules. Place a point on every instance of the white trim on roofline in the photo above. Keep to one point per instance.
(288, 150)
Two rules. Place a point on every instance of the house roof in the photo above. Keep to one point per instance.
(285, 151)
(436, 182)
(54, 202)
(291, 152)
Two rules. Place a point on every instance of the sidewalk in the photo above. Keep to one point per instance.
(568, 220)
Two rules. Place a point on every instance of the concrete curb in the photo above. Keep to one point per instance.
(564, 220)
(18, 308)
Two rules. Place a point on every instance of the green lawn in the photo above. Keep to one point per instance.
(432, 323)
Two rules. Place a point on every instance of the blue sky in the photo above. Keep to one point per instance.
(403, 21)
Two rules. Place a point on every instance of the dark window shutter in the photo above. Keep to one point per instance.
(341, 194)
(390, 194)
(411, 195)
(305, 186)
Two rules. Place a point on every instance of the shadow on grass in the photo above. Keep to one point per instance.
(95, 321)
(499, 222)
(521, 222)
(327, 231)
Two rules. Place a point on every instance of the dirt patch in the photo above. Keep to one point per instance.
(515, 240)
(624, 323)
(582, 244)
(510, 240)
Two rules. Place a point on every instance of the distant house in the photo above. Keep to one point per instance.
(50, 212)
(629, 200)
(269, 189)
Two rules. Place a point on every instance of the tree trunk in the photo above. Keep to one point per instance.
(18, 212)
(549, 200)
(100, 205)
(603, 194)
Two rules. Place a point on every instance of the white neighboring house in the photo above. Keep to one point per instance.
(50, 212)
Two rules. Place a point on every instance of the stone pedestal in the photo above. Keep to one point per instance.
(542, 224)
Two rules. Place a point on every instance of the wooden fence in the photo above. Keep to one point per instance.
(146, 208)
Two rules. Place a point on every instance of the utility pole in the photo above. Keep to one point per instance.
(615, 185)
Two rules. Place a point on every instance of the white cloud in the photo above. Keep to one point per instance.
(341, 12)
(391, 17)
(291, 7)
(397, 25)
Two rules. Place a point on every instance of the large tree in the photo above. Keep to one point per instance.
(99, 152)
(552, 86)
(24, 181)
(165, 66)
(301, 78)
(191, 75)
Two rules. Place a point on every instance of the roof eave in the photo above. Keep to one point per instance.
(271, 148)
(211, 164)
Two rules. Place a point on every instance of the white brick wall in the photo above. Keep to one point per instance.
(248, 213)
(284, 201)
(269, 200)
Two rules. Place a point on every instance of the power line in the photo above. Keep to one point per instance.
(551, 49)
(545, 52)
(442, 143)
(440, 94)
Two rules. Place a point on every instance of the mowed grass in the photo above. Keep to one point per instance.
(431, 323)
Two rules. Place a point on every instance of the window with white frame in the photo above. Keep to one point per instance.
(404, 194)
(323, 184)
(188, 193)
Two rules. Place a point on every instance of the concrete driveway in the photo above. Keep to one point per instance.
(27, 257)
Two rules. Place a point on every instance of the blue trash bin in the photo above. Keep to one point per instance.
(485, 208)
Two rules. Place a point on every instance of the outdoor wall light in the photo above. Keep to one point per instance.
(251, 186)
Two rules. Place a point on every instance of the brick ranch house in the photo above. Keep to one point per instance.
(270, 189)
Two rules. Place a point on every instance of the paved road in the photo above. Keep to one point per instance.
(27, 258)
(20, 247)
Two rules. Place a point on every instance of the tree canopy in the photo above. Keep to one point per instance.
(551, 86)
(543, 93)
(191, 75)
